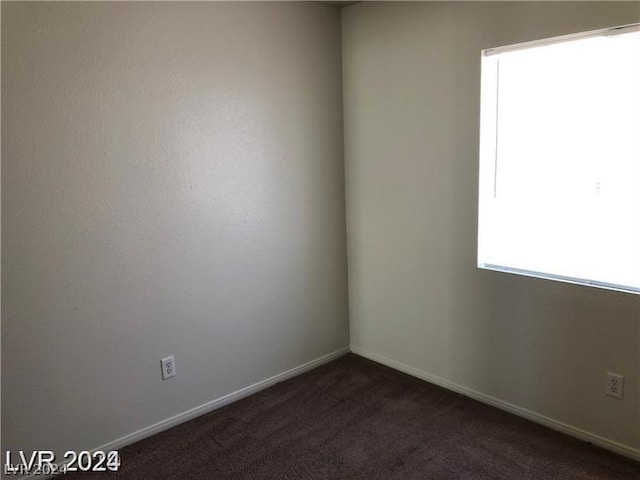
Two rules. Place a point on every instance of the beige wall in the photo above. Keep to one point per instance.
(172, 183)
(411, 86)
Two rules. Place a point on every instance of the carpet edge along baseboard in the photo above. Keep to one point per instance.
(210, 406)
(608, 444)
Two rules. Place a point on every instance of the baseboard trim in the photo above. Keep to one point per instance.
(211, 406)
(557, 425)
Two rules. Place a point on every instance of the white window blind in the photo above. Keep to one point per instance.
(559, 193)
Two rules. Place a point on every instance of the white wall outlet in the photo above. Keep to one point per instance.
(168, 367)
(615, 385)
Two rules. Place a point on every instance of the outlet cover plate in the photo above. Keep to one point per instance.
(615, 385)
(168, 367)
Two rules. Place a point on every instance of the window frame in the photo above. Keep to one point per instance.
(487, 177)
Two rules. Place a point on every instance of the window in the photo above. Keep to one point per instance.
(559, 193)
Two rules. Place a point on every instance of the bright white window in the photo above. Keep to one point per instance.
(560, 159)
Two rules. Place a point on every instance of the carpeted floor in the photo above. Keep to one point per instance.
(355, 419)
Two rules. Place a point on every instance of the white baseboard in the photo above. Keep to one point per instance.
(605, 443)
(210, 406)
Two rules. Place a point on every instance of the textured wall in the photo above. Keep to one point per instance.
(172, 183)
(411, 87)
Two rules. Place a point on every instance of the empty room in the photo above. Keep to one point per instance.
(320, 240)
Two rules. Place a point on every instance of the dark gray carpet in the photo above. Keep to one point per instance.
(355, 419)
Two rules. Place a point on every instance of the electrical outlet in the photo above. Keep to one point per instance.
(615, 385)
(168, 367)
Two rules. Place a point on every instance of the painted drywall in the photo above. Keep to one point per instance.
(172, 184)
(411, 88)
